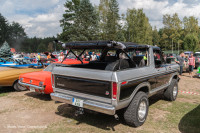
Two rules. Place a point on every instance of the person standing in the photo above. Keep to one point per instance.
(93, 56)
(61, 57)
(181, 61)
(38, 57)
(87, 56)
(191, 60)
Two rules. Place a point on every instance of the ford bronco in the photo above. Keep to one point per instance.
(121, 80)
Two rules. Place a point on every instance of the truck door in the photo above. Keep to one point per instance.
(160, 66)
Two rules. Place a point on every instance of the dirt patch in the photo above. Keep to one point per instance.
(5, 68)
(28, 111)
(21, 113)
(158, 115)
(189, 84)
(188, 100)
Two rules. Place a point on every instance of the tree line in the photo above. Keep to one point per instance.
(14, 34)
(83, 21)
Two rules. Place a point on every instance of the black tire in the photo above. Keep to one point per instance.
(131, 115)
(172, 91)
(18, 87)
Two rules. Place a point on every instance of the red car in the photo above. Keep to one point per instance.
(41, 81)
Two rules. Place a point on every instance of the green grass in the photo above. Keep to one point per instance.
(163, 117)
(4, 91)
(3, 94)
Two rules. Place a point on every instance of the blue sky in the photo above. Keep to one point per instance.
(40, 18)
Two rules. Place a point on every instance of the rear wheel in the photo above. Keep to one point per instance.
(18, 87)
(136, 113)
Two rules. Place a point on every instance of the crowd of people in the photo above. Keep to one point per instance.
(187, 61)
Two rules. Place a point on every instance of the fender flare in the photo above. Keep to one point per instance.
(172, 77)
(125, 102)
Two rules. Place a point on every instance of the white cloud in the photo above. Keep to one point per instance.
(41, 17)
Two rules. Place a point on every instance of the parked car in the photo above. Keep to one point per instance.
(11, 62)
(10, 77)
(121, 82)
(188, 53)
(41, 81)
(197, 59)
(198, 72)
(6, 62)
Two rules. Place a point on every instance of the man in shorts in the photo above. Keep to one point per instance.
(191, 64)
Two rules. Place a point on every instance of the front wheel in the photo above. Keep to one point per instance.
(18, 87)
(136, 113)
(172, 91)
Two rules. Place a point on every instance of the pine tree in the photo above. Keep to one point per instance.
(5, 51)
(103, 11)
(113, 18)
(86, 22)
(80, 21)
(67, 22)
(4, 29)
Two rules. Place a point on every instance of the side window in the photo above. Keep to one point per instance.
(140, 56)
(158, 58)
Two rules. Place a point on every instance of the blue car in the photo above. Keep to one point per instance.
(18, 63)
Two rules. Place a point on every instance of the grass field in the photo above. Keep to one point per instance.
(164, 116)
(32, 112)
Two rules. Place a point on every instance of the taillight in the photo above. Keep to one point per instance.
(114, 90)
(52, 79)
(123, 83)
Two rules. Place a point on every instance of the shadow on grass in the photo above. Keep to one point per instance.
(44, 97)
(6, 89)
(102, 121)
(190, 123)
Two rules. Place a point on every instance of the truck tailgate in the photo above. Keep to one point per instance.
(87, 81)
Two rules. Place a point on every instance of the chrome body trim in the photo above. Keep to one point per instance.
(87, 104)
(30, 85)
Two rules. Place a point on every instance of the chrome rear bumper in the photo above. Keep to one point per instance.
(30, 85)
(88, 104)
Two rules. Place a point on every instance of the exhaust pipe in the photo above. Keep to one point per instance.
(116, 117)
(79, 111)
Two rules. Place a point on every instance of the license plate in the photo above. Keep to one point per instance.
(77, 102)
(32, 89)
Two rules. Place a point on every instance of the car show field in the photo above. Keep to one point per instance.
(33, 112)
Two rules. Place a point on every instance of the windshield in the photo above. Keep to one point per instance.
(50, 67)
(197, 54)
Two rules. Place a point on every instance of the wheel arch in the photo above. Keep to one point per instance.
(174, 76)
(15, 82)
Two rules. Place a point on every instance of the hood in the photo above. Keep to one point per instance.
(42, 75)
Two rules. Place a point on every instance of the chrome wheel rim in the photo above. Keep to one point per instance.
(21, 88)
(142, 110)
(175, 91)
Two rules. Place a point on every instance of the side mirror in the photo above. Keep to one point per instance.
(168, 61)
(158, 63)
